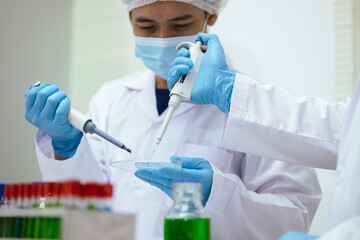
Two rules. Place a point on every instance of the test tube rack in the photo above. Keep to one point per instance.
(74, 224)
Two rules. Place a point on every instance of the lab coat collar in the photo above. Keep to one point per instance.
(144, 82)
(140, 80)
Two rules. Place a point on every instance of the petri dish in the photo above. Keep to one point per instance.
(156, 164)
(131, 162)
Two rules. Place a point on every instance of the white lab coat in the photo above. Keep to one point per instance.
(303, 130)
(347, 192)
(251, 197)
(263, 117)
(349, 230)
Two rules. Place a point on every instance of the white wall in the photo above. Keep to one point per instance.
(289, 43)
(102, 47)
(34, 45)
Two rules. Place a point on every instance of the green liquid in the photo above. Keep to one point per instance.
(30, 228)
(2, 227)
(17, 230)
(57, 228)
(37, 230)
(152, 154)
(24, 227)
(10, 223)
(187, 229)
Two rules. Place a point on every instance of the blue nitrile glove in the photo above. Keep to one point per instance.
(47, 108)
(196, 169)
(294, 235)
(215, 81)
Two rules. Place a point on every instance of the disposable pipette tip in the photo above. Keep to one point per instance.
(154, 150)
(127, 149)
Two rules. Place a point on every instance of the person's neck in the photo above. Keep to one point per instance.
(160, 83)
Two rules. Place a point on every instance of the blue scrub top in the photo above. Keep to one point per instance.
(162, 99)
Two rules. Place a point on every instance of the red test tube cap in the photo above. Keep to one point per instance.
(91, 189)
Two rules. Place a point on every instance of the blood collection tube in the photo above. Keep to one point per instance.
(57, 194)
(34, 200)
(27, 195)
(7, 195)
(91, 191)
(105, 194)
(14, 196)
(21, 196)
(71, 194)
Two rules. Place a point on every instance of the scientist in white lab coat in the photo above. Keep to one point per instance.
(304, 130)
(247, 197)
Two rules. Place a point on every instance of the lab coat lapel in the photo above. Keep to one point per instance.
(147, 101)
(144, 84)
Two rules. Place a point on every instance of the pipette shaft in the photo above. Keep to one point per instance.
(84, 124)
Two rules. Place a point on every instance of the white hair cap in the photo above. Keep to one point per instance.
(210, 6)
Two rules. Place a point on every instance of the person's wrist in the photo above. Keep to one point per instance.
(67, 148)
(223, 90)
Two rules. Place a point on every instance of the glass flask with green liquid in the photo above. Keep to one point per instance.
(187, 219)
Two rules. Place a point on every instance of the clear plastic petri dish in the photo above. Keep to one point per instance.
(156, 164)
(131, 163)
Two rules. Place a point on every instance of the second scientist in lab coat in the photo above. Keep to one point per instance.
(251, 197)
(304, 130)
(263, 116)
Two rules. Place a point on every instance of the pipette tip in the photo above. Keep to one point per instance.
(154, 150)
(127, 149)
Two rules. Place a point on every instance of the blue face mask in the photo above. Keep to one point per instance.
(157, 54)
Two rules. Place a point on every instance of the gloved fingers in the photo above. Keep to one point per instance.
(175, 73)
(31, 94)
(61, 115)
(182, 61)
(191, 163)
(183, 52)
(206, 38)
(295, 235)
(165, 189)
(52, 104)
(175, 173)
(154, 176)
(38, 86)
(210, 40)
(42, 96)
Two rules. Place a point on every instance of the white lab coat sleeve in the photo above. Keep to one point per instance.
(347, 194)
(272, 198)
(349, 230)
(266, 121)
(82, 166)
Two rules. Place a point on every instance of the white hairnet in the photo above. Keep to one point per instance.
(210, 6)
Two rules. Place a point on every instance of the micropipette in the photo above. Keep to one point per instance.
(85, 125)
(182, 89)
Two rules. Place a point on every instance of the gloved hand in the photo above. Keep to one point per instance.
(196, 169)
(215, 81)
(294, 235)
(47, 108)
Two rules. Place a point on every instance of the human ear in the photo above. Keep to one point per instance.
(212, 19)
